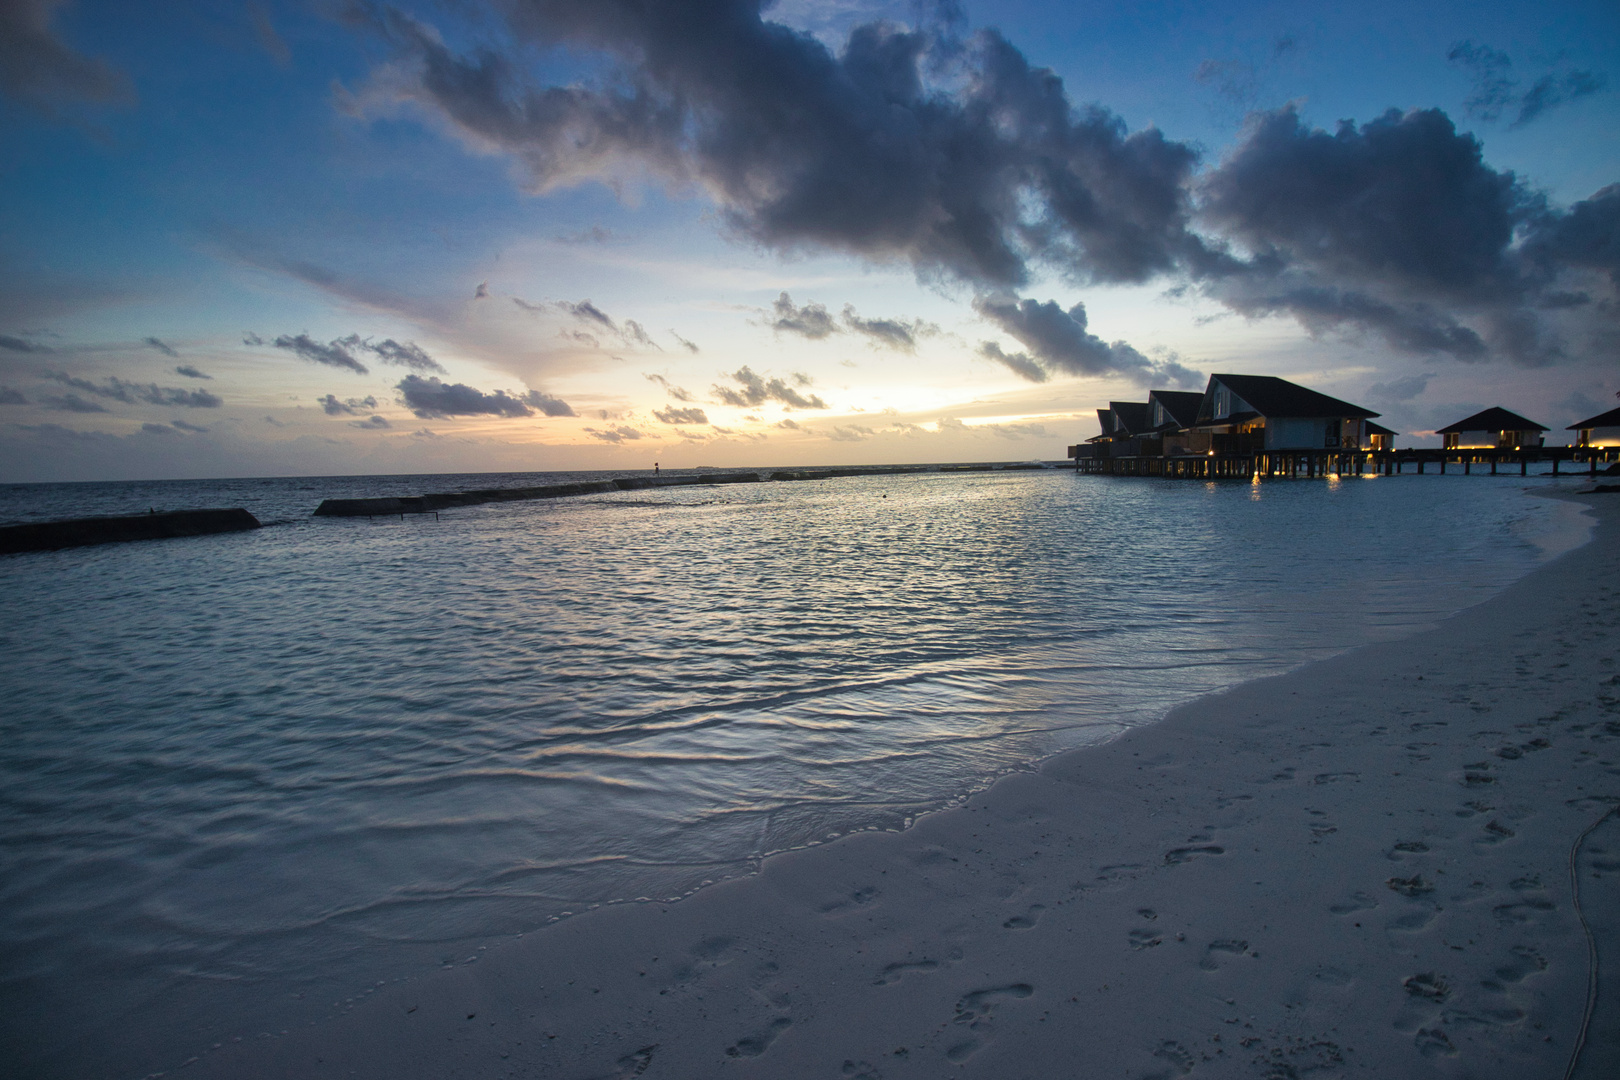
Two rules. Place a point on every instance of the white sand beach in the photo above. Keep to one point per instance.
(1361, 868)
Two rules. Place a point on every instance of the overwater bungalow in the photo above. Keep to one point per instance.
(1493, 429)
(1600, 430)
(1258, 426)
(1251, 413)
(1171, 415)
(1125, 430)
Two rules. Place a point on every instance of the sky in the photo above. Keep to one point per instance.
(330, 238)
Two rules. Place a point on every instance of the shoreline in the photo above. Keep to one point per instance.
(1349, 868)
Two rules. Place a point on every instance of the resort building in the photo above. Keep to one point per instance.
(1493, 429)
(1250, 413)
(1379, 437)
(1171, 415)
(1600, 430)
(1125, 430)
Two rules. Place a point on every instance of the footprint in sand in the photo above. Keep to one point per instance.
(1407, 847)
(760, 1041)
(1225, 948)
(1429, 986)
(1412, 887)
(1527, 910)
(1186, 854)
(1526, 962)
(1176, 1055)
(895, 972)
(1110, 877)
(1411, 922)
(705, 955)
(1026, 920)
(1335, 777)
(864, 895)
(635, 1064)
(860, 1070)
(975, 1012)
(1144, 939)
(1358, 901)
(1432, 1042)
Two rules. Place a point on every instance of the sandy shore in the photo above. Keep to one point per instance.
(1359, 868)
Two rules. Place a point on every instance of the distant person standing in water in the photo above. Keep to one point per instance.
(655, 468)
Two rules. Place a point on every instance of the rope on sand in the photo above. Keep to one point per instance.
(1591, 945)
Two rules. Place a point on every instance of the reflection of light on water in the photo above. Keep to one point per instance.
(344, 734)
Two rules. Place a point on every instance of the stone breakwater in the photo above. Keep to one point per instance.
(81, 532)
(429, 504)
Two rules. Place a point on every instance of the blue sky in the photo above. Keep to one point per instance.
(558, 235)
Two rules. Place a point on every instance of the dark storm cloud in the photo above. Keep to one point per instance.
(165, 349)
(754, 389)
(1058, 341)
(811, 320)
(1403, 389)
(194, 429)
(190, 372)
(252, 339)
(1399, 228)
(672, 415)
(8, 396)
(548, 405)
(431, 399)
(1019, 363)
(333, 354)
(864, 151)
(949, 152)
(1403, 198)
(38, 69)
(150, 393)
(17, 344)
(1496, 92)
(1588, 236)
(371, 423)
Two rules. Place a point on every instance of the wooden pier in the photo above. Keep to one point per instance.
(1251, 464)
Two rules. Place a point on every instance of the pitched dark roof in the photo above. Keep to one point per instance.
(1105, 420)
(1132, 416)
(1493, 419)
(1182, 405)
(1608, 419)
(1379, 429)
(1271, 396)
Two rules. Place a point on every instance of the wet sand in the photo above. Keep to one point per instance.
(1358, 868)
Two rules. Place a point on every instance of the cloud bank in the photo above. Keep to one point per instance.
(946, 150)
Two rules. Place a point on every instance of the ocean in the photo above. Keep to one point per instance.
(247, 779)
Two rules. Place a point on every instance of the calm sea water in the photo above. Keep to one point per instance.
(246, 779)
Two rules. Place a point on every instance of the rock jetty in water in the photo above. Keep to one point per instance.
(81, 532)
(429, 504)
